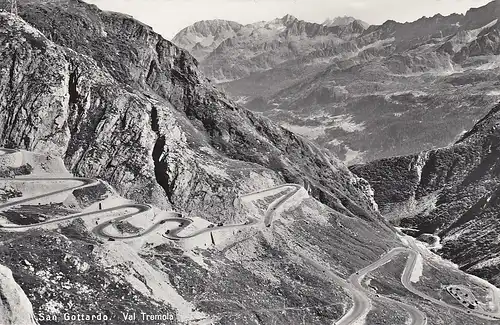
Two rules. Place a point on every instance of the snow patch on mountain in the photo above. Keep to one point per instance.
(456, 235)
(307, 131)
(464, 37)
(493, 63)
(343, 21)
(419, 164)
(353, 156)
(346, 123)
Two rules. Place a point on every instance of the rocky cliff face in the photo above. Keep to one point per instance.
(451, 192)
(15, 307)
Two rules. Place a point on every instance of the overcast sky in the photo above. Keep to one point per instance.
(169, 16)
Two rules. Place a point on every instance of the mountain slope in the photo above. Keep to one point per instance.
(142, 117)
(423, 82)
(450, 192)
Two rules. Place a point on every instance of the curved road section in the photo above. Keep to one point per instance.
(361, 306)
(361, 295)
(4, 151)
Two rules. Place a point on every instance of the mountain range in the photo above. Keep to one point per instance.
(207, 36)
(366, 92)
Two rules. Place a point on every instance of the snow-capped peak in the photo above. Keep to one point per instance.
(343, 21)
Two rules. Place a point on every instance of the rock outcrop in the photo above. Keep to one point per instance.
(203, 37)
(15, 308)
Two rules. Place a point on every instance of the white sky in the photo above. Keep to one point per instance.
(170, 16)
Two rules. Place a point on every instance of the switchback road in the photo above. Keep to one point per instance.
(100, 230)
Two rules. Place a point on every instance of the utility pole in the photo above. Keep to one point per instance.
(13, 7)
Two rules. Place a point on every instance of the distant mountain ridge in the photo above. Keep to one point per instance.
(229, 50)
(368, 93)
(204, 36)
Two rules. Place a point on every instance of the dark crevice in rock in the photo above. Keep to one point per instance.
(74, 98)
(152, 70)
(73, 92)
(3, 299)
(161, 175)
(154, 120)
(12, 71)
(123, 122)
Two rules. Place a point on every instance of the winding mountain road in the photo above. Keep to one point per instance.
(86, 182)
(405, 280)
(362, 296)
(363, 304)
(101, 229)
(4, 151)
